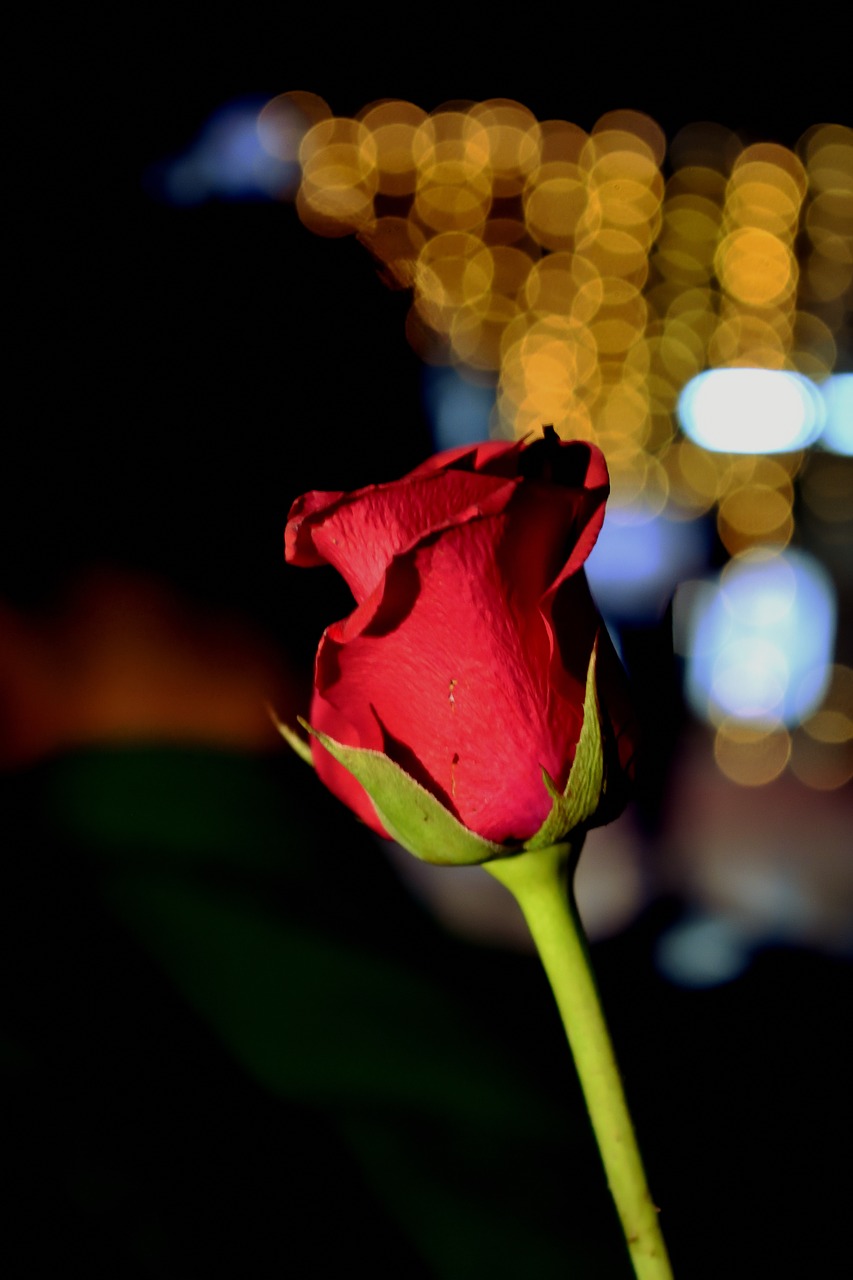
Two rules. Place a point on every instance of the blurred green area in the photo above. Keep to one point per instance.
(235, 1044)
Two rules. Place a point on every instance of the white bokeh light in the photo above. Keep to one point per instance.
(751, 411)
(758, 640)
(837, 434)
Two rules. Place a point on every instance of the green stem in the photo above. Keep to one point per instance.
(540, 881)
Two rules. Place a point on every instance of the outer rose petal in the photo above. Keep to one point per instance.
(298, 543)
(338, 779)
(491, 456)
(360, 533)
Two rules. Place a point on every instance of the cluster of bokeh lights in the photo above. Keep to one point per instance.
(561, 268)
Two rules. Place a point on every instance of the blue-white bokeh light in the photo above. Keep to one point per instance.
(704, 951)
(638, 561)
(226, 161)
(751, 411)
(837, 434)
(458, 411)
(759, 639)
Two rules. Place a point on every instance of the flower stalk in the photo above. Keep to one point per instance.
(541, 882)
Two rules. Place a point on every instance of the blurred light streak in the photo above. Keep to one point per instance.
(758, 640)
(751, 411)
(837, 434)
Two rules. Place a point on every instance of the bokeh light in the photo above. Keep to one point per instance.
(639, 559)
(241, 153)
(592, 292)
(751, 755)
(459, 409)
(704, 951)
(837, 432)
(759, 641)
(751, 410)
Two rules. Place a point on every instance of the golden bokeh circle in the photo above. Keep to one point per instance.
(452, 271)
(755, 267)
(777, 159)
(477, 329)
(636, 124)
(453, 194)
(754, 515)
(556, 199)
(393, 125)
(751, 755)
(515, 142)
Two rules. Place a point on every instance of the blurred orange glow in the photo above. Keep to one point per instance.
(124, 659)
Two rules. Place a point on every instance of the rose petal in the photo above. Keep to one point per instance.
(339, 780)
(298, 542)
(360, 533)
(491, 457)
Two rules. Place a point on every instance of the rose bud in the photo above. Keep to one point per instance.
(472, 704)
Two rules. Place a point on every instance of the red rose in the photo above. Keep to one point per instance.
(466, 658)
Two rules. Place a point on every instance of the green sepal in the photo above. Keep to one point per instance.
(292, 739)
(586, 779)
(408, 812)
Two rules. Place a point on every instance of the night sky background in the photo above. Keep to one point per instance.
(176, 378)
